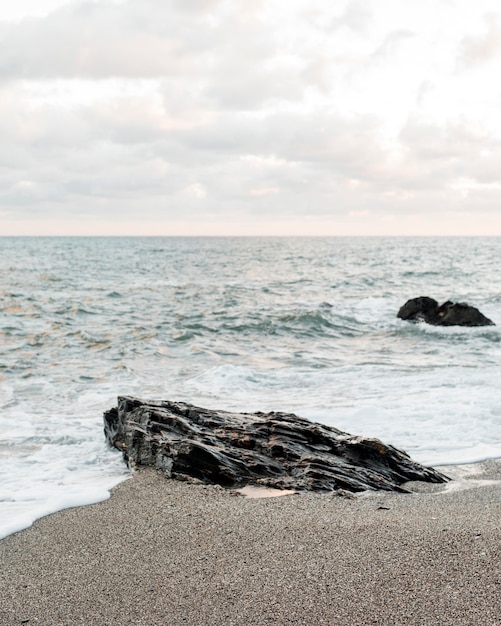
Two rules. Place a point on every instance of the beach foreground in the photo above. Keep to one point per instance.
(166, 552)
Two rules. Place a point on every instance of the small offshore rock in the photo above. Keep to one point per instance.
(449, 313)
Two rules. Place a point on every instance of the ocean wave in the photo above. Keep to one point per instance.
(307, 326)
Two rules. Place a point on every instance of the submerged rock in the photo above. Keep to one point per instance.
(447, 314)
(278, 450)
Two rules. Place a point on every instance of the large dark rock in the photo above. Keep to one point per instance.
(447, 314)
(277, 450)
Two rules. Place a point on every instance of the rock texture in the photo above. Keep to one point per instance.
(447, 314)
(278, 450)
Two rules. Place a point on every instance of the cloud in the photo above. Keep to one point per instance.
(135, 39)
(222, 54)
(230, 162)
(392, 43)
(97, 40)
(128, 155)
(218, 110)
(456, 162)
(477, 50)
(454, 142)
(355, 15)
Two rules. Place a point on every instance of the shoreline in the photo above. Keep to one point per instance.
(162, 551)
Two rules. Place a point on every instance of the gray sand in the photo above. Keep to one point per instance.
(163, 552)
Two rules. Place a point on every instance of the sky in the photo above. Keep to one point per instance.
(250, 117)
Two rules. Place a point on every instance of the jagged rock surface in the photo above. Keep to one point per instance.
(277, 450)
(447, 314)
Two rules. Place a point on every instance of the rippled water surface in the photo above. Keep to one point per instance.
(306, 325)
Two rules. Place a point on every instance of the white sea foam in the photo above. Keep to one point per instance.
(45, 473)
(300, 325)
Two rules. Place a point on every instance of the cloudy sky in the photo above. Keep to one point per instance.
(173, 117)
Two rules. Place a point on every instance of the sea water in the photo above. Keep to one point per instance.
(306, 325)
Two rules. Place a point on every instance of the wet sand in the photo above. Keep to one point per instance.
(164, 552)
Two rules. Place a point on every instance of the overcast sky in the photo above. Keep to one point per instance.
(245, 117)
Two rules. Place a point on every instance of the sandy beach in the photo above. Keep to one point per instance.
(166, 552)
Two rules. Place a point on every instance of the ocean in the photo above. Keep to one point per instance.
(306, 325)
